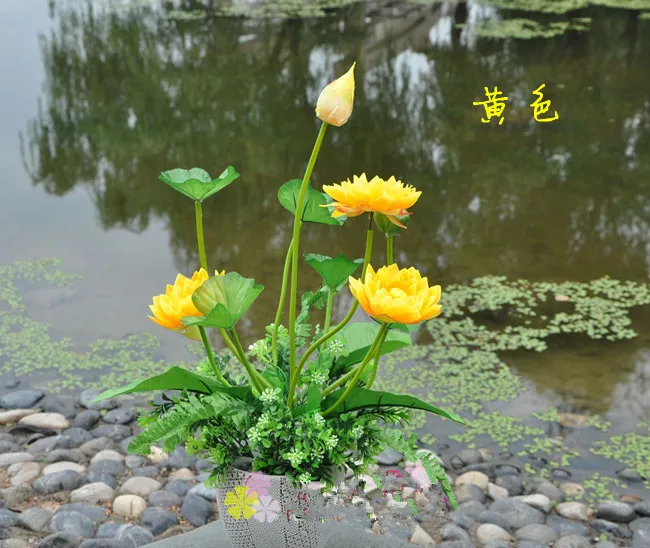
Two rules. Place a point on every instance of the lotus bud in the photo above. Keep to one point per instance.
(335, 102)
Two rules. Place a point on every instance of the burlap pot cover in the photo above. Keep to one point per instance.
(262, 511)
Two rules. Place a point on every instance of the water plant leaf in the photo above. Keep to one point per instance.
(334, 272)
(175, 378)
(313, 212)
(223, 300)
(360, 398)
(196, 183)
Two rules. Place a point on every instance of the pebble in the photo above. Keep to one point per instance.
(20, 399)
(469, 491)
(196, 510)
(108, 530)
(134, 461)
(513, 484)
(506, 470)
(13, 496)
(629, 474)
(537, 532)
(45, 421)
(563, 526)
(606, 544)
(610, 528)
(493, 517)
(572, 489)
(9, 447)
(462, 520)
(96, 514)
(63, 465)
(93, 447)
(132, 535)
(475, 478)
(92, 493)
(35, 519)
(536, 500)
(54, 405)
(517, 513)
(618, 512)
(8, 518)
(58, 455)
(43, 446)
(643, 508)
(73, 437)
(121, 415)
(101, 543)
(165, 499)
(14, 415)
(182, 474)
(497, 492)
(73, 522)
(115, 432)
(641, 530)
(146, 471)
(101, 477)
(61, 540)
(487, 532)
(158, 520)
(451, 531)
(573, 510)
(180, 487)
(140, 486)
(389, 457)
(23, 472)
(67, 480)
(472, 509)
(202, 491)
(179, 458)
(86, 419)
(107, 454)
(107, 466)
(546, 488)
(157, 455)
(8, 459)
(130, 506)
(87, 396)
(572, 541)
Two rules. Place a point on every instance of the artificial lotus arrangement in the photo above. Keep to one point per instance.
(299, 402)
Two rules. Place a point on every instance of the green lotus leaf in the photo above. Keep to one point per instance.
(196, 183)
(334, 272)
(288, 195)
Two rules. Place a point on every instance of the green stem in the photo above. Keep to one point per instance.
(342, 380)
(359, 371)
(375, 364)
(329, 334)
(258, 381)
(199, 235)
(297, 224)
(283, 296)
(208, 350)
(328, 309)
(389, 250)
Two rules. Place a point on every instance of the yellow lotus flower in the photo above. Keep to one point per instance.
(335, 102)
(393, 295)
(169, 309)
(390, 197)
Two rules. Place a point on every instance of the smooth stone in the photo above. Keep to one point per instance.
(560, 474)
(92, 493)
(157, 455)
(471, 508)
(389, 457)
(45, 421)
(20, 399)
(451, 531)
(146, 471)
(497, 544)
(140, 485)
(133, 536)
(66, 480)
(496, 492)
(86, 400)
(13, 496)
(86, 419)
(108, 530)
(493, 517)
(641, 529)
(462, 520)
(606, 544)
(107, 454)
(572, 541)
(640, 524)
(183, 474)
(124, 444)
(121, 415)
(7, 459)
(475, 478)
(629, 474)
(537, 500)
(74, 437)
(14, 415)
(610, 528)
(563, 526)
(96, 514)
(12, 542)
(63, 465)
(115, 432)
(549, 490)
(537, 532)
(101, 477)
(92, 447)
(8, 518)
(107, 466)
(530, 544)
(9, 447)
(61, 540)
(43, 446)
(469, 456)
(203, 465)
(35, 519)
(180, 487)
(517, 513)
(23, 472)
(165, 499)
(54, 405)
(572, 489)
(196, 510)
(469, 491)
(158, 520)
(73, 522)
(513, 484)
(573, 510)
(506, 470)
(643, 508)
(130, 506)
(134, 461)
(69, 455)
(101, 543)
(487, 532)
(618, 512)
(179, 458)
(202, 491)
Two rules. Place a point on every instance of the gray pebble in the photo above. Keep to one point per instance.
(134, 461)
(8, 518)
(72, 438)
(496, 544)
(146, 471)
(96, 514)
(165, 499)
(87, 419)
(108, 530)
(196, 510)
(158, 520)
(179, 458)
(389, 457)
(68, 455)
(572, 541)
(75, 523)
(563, 526)
(462, 520)
(61, 540)
(202, 491)
(203, 465)
(100, 477)
(472, 509)
(506, 470)
(616, 511)
(493, 517)
(101, 543)
(121, 415)
(517, 514)
(560, 474)
(554, 493)
(124, 444)
(115, 432)
(9, 447)
(35, 519)
(42, 446)
(513, 484)
(451, 531)
(606, 544)
(643, 508)
(87, 396)
(178, 486)
(50, 404)
(20, 399)
(93, 447)
(66, 480)
(455, 544)
(107, 466)
(469, 491)
(469, 456)
(133, 536)
(610, 528)
(530, 544)
(629, 474)
(536, 532)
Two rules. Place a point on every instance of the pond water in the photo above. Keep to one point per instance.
(97, 100)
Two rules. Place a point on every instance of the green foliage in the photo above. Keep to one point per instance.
(312, 210)
(631, 448)
(196, 183)
(335, 272)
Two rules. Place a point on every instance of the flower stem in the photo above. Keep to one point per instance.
(329, 334)
(375, 364)
(208, 350)
(389, 250)
(297, 224)
(359, 371)
(258, 381)
(283, 296)
(328, 309)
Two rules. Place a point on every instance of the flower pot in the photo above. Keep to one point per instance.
(263, 511)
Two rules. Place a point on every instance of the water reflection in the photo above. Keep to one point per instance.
(132, 92)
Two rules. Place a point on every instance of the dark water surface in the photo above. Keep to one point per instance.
(95, 102)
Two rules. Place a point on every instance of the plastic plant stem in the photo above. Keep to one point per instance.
(258, 381)
(283, 295)
(389, 250)
(341, 380)
(375, 363)
(295, 247)
(328, 309)
(329, 334)
(208, 351)
(357, 375)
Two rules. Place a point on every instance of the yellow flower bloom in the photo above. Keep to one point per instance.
(335, 102)
(241, 502)
(390, 197)
(169, 309)
(393, 295)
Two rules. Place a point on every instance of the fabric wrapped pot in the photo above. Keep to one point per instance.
(262, 511)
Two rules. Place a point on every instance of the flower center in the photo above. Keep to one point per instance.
(397, 292)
